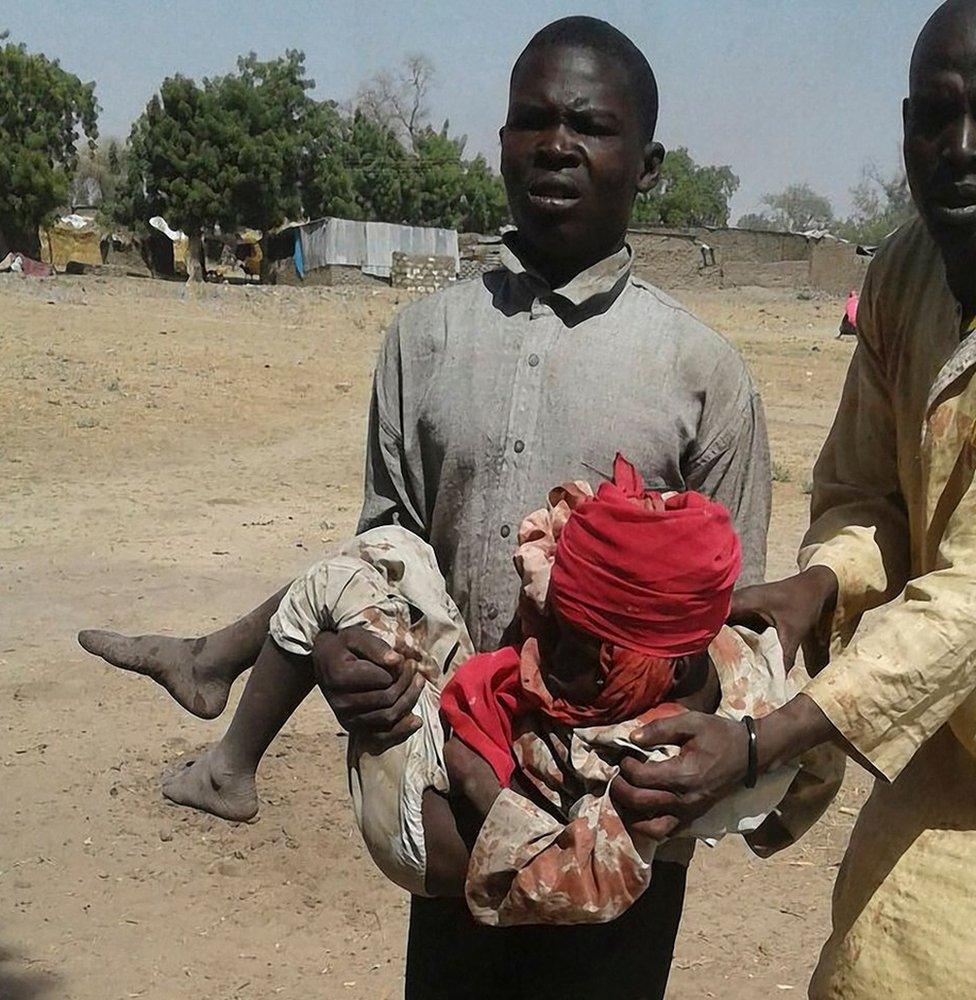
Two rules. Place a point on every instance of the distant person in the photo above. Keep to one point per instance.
(848, 323)
(486, 394)
(893, 532)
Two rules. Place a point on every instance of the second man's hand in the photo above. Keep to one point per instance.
(656, 799)
(795, 607)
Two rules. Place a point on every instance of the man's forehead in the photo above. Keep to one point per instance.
(574, 75)
(946, 49)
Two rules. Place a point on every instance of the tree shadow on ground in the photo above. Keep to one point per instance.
(21, 979)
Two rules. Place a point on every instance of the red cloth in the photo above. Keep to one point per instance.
(649, 574)
(480, 703)
(489, 692)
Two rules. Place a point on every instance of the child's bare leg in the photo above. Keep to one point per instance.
(198, 673)
(222, 780)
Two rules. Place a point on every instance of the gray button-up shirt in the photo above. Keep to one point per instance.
(494, 390)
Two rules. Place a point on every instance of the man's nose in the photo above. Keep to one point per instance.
(961, 148)
(558, 148)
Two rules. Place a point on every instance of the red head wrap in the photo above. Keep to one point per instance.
(649, 574)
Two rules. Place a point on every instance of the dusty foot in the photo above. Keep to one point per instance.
(214, 785)
(182, 666)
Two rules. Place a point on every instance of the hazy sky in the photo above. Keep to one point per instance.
(783, 90)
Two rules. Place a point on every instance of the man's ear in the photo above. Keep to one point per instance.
(651, 167)
(906, 113)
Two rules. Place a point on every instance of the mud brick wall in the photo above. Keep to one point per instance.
(731, 258)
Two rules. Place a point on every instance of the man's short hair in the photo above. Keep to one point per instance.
(598, 36)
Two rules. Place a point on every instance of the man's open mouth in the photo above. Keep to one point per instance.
(553, 194)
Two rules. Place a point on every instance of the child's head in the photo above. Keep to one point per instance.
(578, 140)
(636, 586)
(576, 665)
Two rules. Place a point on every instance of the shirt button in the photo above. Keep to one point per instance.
(492, 612)
(519, 447)
(533, 360)
(506, 531)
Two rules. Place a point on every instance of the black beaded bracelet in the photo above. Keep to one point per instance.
(752, 768)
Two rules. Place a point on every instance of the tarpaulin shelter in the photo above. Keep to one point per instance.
(72, 239)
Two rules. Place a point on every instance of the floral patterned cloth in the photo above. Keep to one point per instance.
(563, 855)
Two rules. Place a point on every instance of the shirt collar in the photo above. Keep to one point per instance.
(599, 279)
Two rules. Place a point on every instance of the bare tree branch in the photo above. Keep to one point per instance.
(398, 101)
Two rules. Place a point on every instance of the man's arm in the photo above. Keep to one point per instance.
(390, 494)
(858, 520)
(855, 555)
(731, 464)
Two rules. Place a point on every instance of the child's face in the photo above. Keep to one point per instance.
(570, 662)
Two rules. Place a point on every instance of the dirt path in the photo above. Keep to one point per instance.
(165, 463)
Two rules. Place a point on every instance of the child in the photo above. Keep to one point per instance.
(503, 791)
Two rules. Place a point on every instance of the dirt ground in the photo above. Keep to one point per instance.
(165, 462)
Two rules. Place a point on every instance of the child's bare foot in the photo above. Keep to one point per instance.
(215, 785)
(190, 671)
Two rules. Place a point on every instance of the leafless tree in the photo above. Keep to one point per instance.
(398, 100)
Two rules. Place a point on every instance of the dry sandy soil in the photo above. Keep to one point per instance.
(165, 462)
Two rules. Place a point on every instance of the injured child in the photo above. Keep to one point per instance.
(503, 790)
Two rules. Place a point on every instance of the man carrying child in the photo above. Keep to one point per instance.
(486, 395)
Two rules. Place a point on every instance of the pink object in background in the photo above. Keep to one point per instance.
(848, 325)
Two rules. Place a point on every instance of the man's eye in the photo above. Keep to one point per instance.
(528, 121)
(584, 125)
(931, 116)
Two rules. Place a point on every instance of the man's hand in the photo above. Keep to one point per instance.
(794, 607)
(656, 798)
(371, 688)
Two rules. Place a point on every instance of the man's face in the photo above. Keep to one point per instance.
(573, 154)
(940, 133)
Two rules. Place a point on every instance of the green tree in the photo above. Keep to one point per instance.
(327, 182)
(380, 172)
(881, 204)
(230, 152)
(453, 192)
(44, 110)
(795, 209)
(485, 201)
(438, 186)
(687, 195)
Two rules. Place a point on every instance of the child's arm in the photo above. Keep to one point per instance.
(474, 788)
(451, 824)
